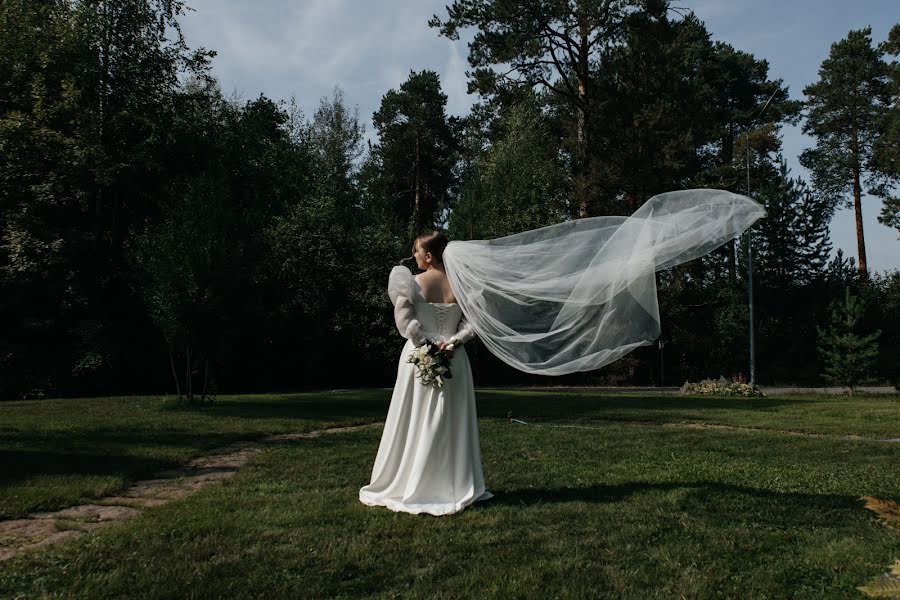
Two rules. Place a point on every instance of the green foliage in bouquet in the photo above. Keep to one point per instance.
(433, 365)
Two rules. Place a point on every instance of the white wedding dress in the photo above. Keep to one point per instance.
(570, 297)
(429, 459)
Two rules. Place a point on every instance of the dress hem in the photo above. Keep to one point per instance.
(437, 510)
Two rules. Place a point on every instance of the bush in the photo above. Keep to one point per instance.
(849, 356)
(720, 387)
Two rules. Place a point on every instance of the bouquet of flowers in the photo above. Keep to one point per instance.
(432, 362)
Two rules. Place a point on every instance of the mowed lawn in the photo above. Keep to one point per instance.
(598, 496)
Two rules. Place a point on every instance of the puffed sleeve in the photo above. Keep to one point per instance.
(400, 289)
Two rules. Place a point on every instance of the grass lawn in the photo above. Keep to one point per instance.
(617, 506)
(60, 452)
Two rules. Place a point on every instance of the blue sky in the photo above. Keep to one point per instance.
(305, 48)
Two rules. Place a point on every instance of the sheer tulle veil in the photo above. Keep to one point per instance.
(580, 294)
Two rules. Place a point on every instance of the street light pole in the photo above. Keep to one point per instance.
(661, 371)
(750, 278)
(750, 251)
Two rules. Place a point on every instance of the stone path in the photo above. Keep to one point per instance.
(41, 529)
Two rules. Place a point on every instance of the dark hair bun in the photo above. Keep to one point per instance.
(434, 242)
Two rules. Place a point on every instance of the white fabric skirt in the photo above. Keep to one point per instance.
(429, 459)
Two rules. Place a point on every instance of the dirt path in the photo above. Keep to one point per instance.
(711, 426)
(781, 432)
(40, 529)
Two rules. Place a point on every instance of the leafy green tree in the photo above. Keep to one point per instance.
(44, 159)
(135, 55)
(85, 99)
(314, 237)
(676, 114)
(848, 356)
(415, 151)
(335, 136)
(182, 260)
(194, 266)
(791, 250)
(314, 240)
(844, 114)
(741, 87)
(550, 45)
(518, 184)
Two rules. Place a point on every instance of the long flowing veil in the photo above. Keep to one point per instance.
(581, 294)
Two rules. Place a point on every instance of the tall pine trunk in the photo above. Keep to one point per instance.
(857, 206)
(582, 186)
(417, 208)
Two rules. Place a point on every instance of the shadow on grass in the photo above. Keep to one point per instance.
(715, 501)
(128, 452)
(319, 410)
(25, 464)
(373, 404)
(549, 405)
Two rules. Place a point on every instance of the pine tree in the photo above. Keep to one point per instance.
(849, 356)
(887, 148)
(518, 183)
(415, 152)
(654, 119)
(792, 244)
(553, 46)
(845, 112)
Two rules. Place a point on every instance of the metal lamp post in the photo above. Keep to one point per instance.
(750, 250)
(662, 384)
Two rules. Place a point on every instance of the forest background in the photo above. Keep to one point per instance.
(158, 236)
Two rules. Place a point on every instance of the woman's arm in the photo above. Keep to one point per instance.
(401, 289)
(407, 324)
(464, 333)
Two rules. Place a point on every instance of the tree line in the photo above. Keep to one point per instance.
(159, 236)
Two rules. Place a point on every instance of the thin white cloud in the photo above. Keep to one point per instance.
(459, 101)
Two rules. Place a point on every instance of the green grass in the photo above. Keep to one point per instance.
(56, 453)
(618, 507)
(867, 416)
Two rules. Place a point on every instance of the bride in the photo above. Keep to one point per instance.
(570, 297)
(429, 459)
